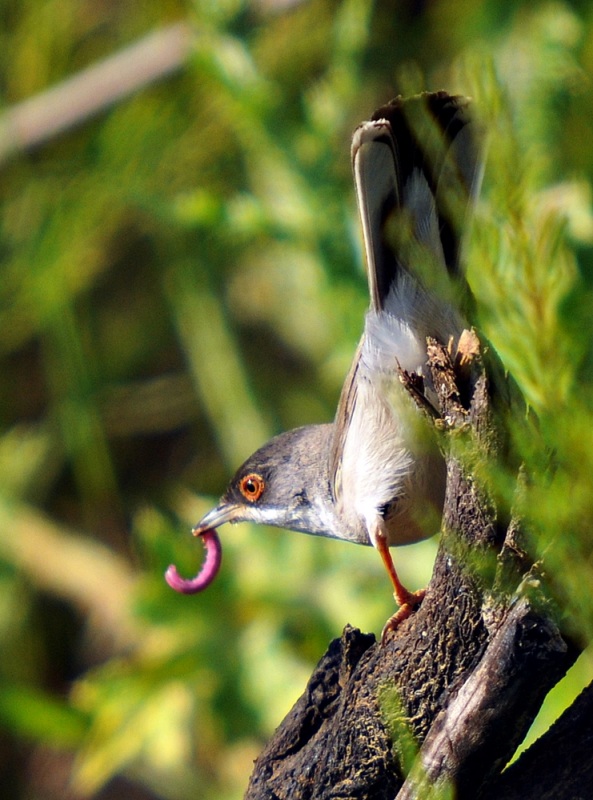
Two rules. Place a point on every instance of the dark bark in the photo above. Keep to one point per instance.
(450, 694)
(559, 765)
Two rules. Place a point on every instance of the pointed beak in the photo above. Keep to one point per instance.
(225, 512)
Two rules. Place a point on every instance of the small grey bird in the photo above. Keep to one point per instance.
(375, 475)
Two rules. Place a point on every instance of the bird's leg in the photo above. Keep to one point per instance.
(407, 601)
(401, 594)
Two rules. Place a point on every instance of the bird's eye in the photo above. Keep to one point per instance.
(252, 487)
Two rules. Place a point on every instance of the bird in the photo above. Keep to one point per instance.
(375, 475)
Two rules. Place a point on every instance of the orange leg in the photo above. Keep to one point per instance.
(406, 600)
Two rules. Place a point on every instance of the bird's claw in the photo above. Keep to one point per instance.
(406, 609)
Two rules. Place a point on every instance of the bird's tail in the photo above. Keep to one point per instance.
(417, 167)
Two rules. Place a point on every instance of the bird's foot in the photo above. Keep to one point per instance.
(406, 609)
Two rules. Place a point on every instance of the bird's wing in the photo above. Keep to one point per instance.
(344, 413)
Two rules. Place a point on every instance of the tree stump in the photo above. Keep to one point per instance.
(442, 704)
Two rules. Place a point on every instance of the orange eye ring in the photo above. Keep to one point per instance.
(252, 486)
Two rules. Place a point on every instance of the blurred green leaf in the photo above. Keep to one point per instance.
(41, 717)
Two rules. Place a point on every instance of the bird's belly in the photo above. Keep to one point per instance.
(393, 475)
(417, 514)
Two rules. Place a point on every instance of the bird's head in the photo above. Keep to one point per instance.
(285, 484)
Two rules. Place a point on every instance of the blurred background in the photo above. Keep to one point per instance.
(181, 277)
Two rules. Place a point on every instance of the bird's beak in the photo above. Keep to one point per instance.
(225, 512)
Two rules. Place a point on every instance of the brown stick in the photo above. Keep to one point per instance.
(94, 89)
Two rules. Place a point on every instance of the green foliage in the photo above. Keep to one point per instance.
(39, 716)
(406, 748)
(182, 277)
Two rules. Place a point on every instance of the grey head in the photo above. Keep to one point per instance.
(286, 483)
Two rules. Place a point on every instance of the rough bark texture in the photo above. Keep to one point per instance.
(447, 697)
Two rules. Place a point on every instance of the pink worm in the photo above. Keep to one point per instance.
(209, 569)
